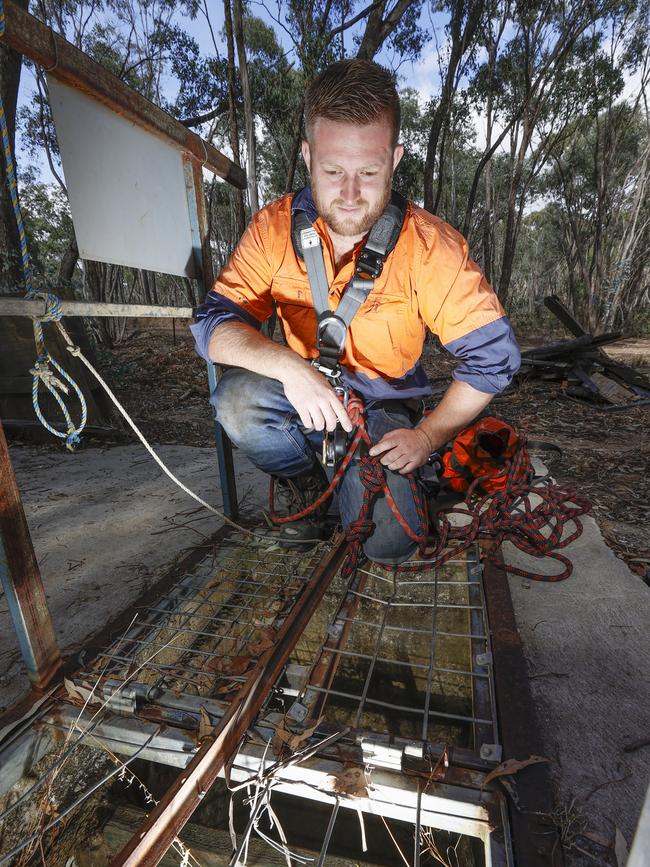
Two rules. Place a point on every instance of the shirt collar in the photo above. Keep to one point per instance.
(303, 201)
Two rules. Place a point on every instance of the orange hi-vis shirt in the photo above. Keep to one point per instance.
(428, 280)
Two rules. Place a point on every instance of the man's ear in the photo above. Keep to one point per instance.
(398, 153)
(306, 155)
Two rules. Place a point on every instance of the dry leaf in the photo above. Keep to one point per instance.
(227, 687)
(285, 738)
(511, 766)
(230, 665)
(81, 692)
(620, 849)
(264, 617)
(265, 638)
(350, 781)
(205, 725)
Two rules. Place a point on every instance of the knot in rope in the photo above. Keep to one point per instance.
(355, 409)
(53, 309)
(359, 530)
(371, 474)
(42, 372)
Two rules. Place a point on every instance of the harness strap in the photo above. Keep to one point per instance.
(333, 325)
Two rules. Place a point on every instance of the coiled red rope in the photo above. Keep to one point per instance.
(532, 516)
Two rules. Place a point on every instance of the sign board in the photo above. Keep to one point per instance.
(126, 186)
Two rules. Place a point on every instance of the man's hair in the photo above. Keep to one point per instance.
(353, 91)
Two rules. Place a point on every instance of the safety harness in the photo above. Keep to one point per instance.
(333, 325)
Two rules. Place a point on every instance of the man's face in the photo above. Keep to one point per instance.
(351, 169)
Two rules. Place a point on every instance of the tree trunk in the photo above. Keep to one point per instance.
(378, 28)
(461, 40)
(11, 272)
(66, 269)
(233, 128)
(251, 169)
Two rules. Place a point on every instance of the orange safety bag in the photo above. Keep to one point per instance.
(482, 451)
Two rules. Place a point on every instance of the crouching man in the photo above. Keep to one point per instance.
(357, 274)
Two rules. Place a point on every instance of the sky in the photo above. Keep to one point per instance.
(422, 75)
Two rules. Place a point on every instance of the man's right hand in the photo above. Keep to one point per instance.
(313, 397)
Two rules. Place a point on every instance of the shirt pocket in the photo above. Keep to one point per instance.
(387, 335)
(296, 313)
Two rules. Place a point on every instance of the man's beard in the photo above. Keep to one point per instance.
(350, 226)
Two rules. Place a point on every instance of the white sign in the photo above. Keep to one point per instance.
(126, 187)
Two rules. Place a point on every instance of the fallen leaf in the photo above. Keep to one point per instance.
(81, 692)
(350, 781)
(284, 737)
(230, 665)
(620, 849)
(265, 638)
(227, 687)
(511, 766)
(205, 725)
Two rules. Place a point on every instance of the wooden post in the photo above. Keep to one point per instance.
(22, 583)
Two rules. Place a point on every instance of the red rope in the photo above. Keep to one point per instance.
(505, 515)
(509, 515)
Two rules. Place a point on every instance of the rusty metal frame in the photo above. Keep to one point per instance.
(29, 36)
(22, 583)
(149, 844)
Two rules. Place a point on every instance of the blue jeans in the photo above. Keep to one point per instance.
(260, 421)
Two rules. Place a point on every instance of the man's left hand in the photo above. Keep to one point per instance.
(403, 450)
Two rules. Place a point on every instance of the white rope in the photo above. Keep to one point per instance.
(74, 350)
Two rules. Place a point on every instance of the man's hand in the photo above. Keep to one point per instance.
(403, 450)
(313, 397)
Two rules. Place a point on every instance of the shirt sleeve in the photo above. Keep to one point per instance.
(216, 309)
(461, 308)
(490, 356)
(242, 291)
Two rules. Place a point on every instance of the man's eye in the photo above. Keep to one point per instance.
(368, 174)
(332, 172)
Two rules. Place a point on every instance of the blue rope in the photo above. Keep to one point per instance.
(41, 371)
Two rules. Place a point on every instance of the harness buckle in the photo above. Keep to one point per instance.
(369, 264)
(331, 334)
(332, 372)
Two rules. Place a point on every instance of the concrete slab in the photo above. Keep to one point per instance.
(587, 643)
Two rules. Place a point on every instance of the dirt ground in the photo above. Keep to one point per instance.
(605, 455)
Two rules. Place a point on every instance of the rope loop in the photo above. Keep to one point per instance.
(371, 474)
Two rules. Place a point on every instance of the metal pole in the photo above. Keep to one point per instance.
(149, 844)
(22, 583)
(203, 260)
(35, 40)
(36, 307)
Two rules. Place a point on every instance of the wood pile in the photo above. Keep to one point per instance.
(587, 371)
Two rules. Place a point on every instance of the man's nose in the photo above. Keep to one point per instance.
(350, 189)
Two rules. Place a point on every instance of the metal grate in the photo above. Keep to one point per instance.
(407, 654)
(201, 637)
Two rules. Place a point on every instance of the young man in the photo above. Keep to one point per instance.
(274, 404)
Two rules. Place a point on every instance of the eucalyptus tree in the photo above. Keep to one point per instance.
(11, 275)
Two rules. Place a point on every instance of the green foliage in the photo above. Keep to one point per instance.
(49, 228)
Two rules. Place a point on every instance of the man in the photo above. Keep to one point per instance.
(275, 405)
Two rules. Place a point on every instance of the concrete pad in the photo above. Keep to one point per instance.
(587, 642)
